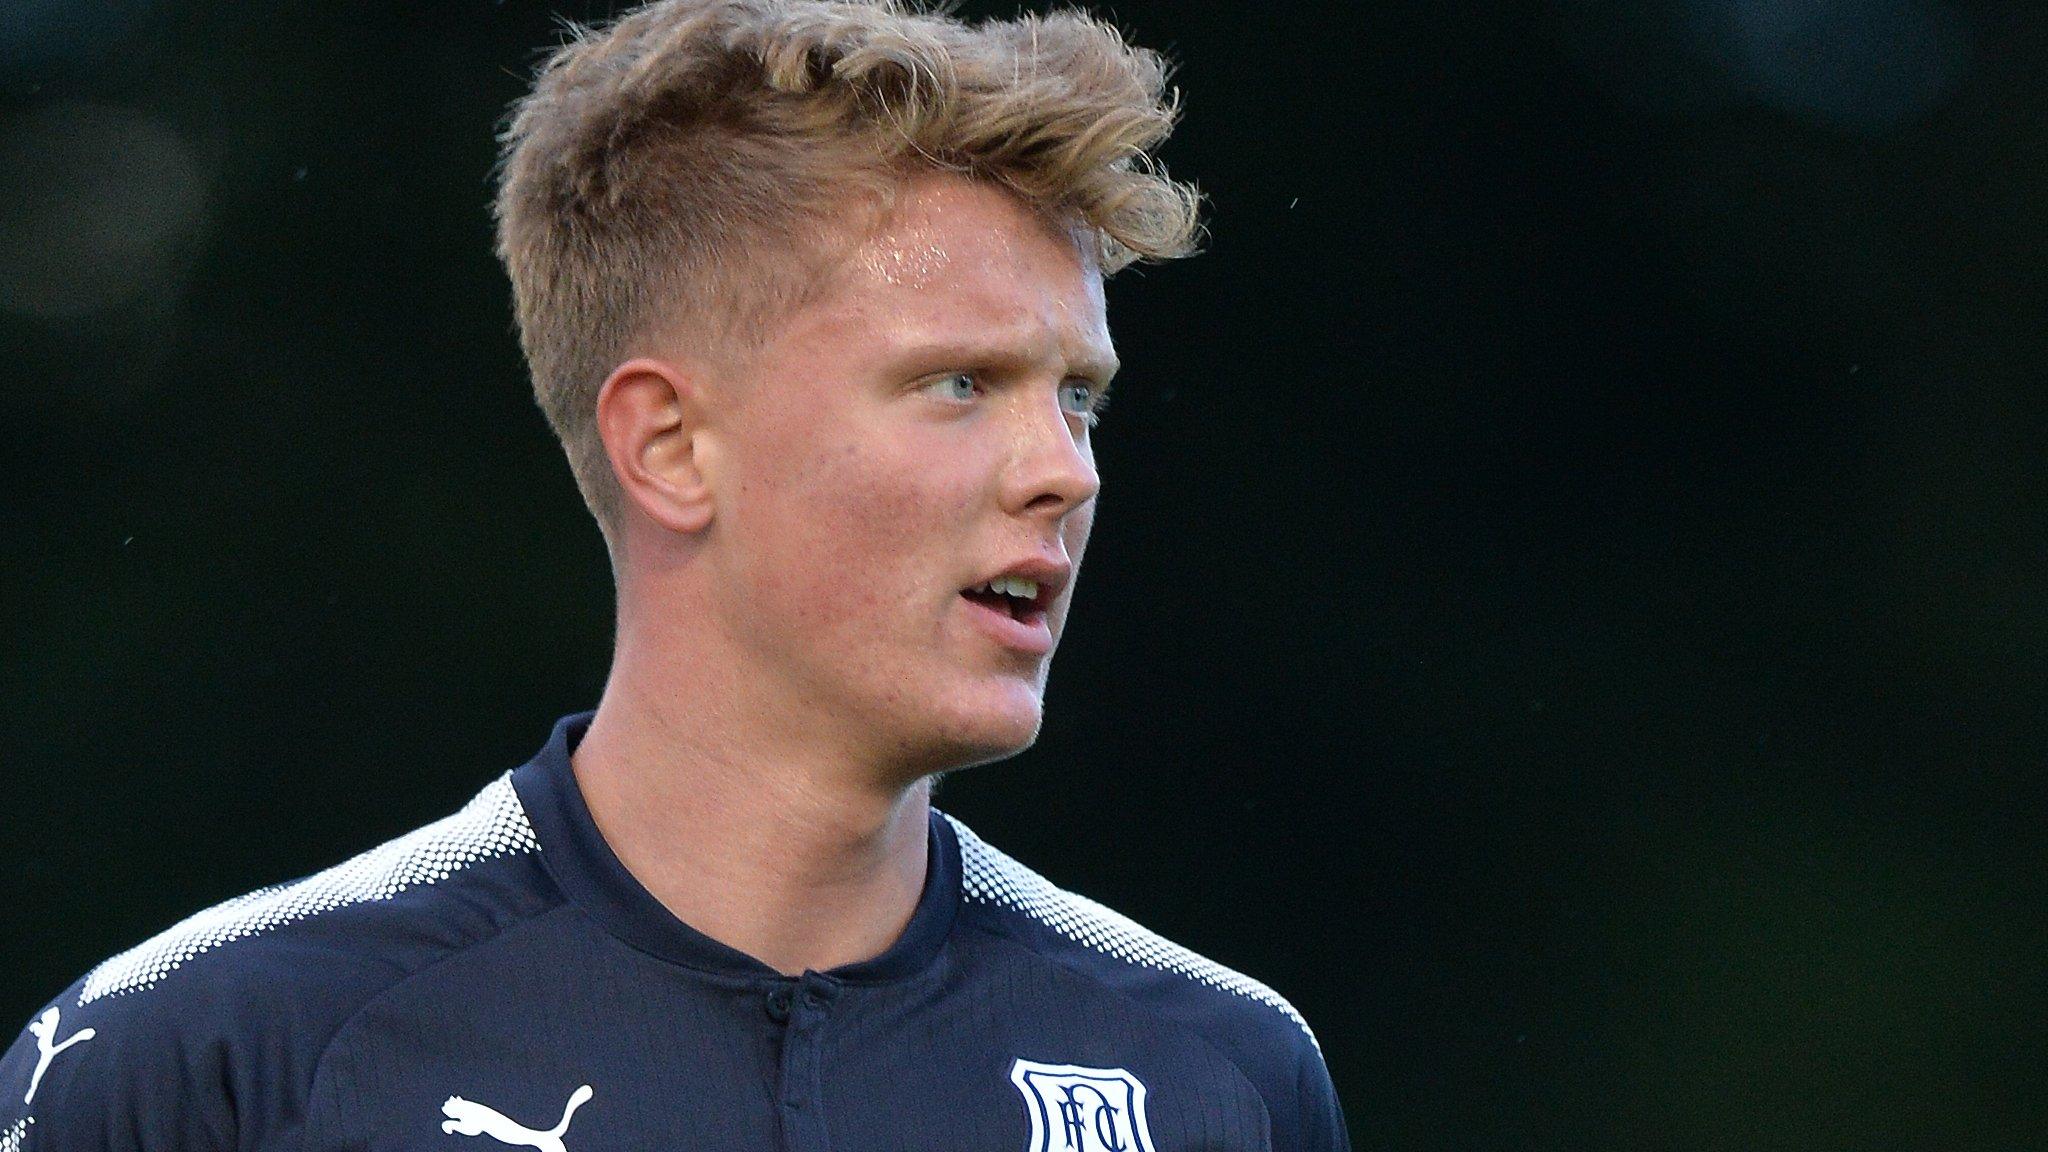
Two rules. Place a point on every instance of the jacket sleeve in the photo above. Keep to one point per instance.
(1322, 1114)
(115, 1075)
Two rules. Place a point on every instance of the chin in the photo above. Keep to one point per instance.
(990, 728)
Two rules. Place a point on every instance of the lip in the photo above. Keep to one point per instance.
(1050, 576)
(1033, 639)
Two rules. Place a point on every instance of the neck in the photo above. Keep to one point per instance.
(784, 852)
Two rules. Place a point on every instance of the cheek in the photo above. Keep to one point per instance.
(1074, 532)
(865, 532)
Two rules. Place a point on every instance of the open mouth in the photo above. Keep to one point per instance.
(1020, 599)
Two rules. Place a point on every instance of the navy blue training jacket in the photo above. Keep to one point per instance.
(498, 979)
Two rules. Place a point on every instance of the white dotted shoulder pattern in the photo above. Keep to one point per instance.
(489, 826)
(10, 1140)
(989, 876)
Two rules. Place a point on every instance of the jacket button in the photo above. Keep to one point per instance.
(778, 1004)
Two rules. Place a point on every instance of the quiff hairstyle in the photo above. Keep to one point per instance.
(671, 175)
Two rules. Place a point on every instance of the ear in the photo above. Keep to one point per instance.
(650, 414)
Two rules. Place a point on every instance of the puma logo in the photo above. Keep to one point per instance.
(469, 1118)
(44, 1029)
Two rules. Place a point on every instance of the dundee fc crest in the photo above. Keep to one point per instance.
(1076, 1109)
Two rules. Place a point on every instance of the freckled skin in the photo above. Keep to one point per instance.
(854, 505)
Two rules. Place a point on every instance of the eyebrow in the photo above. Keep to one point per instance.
(970, 353)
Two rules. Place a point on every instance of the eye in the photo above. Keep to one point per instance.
(959, 387)
(1084, 398)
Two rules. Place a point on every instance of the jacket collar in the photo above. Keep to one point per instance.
(589, 873)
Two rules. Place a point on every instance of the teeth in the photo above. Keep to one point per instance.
(1016, 586)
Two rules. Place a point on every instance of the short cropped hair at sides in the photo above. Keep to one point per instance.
(668, 174)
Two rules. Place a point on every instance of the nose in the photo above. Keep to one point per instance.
(1052, 465)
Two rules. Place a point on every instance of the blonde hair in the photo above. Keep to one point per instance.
(671, 172)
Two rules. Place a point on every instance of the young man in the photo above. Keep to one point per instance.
(812, 293)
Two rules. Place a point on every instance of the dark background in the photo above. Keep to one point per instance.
(1567, 609)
